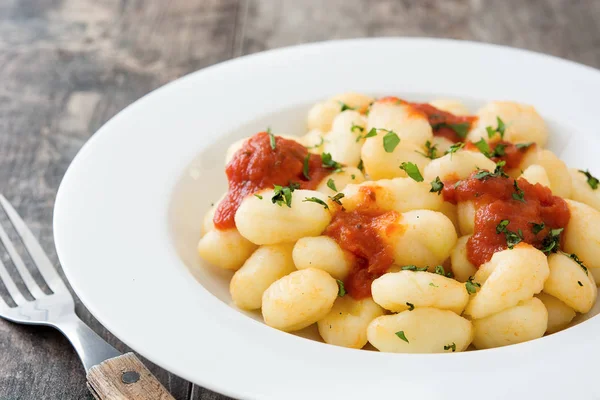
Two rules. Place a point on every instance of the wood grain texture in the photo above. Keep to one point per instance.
(67, 66)
(125, 378)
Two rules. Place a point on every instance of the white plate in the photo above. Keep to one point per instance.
(129, 209)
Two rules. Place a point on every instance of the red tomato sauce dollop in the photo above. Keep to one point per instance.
(494, 202)
(258, 166)
(362, 232)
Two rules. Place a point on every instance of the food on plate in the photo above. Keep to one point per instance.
(415, 227)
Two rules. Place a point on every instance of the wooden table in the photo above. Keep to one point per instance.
(67, 66)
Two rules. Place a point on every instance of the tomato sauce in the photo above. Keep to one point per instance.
(258, 166)
(511, 153)
(362, 233)
(444, 124)
(494, 202)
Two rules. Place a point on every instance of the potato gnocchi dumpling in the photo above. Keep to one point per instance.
(281, 224)
(559, 314)
(399, 291)
(523, 123)
(415, 227)
(299, 299)
(517, 275)
(398, 194)
(422, 330)
(525, 321)
(266, 265)
(347, 322)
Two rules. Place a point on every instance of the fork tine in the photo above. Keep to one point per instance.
(10, 286)
(28, 280)
(39, 257)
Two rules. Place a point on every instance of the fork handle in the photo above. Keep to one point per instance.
(125, 378)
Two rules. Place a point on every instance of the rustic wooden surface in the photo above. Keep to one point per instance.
(108, 380)
(67, 66)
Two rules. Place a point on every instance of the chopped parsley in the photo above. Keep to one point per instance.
(519, 194)
(579, 283)
(305, 166)
(472, 286)
(412, 170)
(413, 268)
(353, 176)
(341, 288)
(371, 133)
(454, 148)
(316, 200)
(271, 139)
(344, 106)
(331, 185)
(361, 165)
(551, 241)
(461, 129)
(390, 141)
(328, 162)
(433, 284)
(450, 347)
(578, 261)
(499, 150)
(591, 180)
(283, 194)
(483, 147)
(437, 185)
(537, 228)
(523, 146)
(499, 129)
(402, 336)
(316, 146)
(357, 128)
(498, 172)
(513, 238)
(411, 306)
(336, 198)
(440, 270)
(501, 227)
(258, 195)
(431, 150)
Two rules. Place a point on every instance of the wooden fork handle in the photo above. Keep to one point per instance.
(125, 378)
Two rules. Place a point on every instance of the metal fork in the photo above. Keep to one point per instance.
(110, 374)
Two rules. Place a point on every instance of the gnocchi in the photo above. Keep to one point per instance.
(415, 227)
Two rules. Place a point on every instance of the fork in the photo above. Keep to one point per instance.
(110, 374)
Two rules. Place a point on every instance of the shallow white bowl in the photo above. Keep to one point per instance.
(129, 209)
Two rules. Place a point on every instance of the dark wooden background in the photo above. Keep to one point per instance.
(67, 66)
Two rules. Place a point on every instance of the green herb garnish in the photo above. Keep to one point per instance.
(501, 227)
(357, 128)
(331, 185)
(345, 106)
(433, 284)
(259, 196)
(412, 170)
(498, 172)
(305, 166)
(523, 146)
(591, 180)
(283, 194)
(361, 166)
(499, 129)
(578, 261)
(341, 288)
(472, 286)
(450, 346)
(328, 162)
(271, 138)
(437, 185)
(552, 241)
(431, 150)
(411, 306)
(371, 133)
(316, 200)
(461, 129)
(390, 141)
(454, 148)
(537, 228)
(413, 268)
(519, 194)
(579, 283)
(401, 335)
(336, 198)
